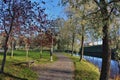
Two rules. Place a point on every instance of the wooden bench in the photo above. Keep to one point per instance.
(28, 63)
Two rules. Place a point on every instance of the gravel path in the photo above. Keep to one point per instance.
(62, 69)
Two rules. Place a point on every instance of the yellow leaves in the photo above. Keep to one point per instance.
(83, 22)
(90, 6)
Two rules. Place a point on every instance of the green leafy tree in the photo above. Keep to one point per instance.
(101, 12)
(79, 22)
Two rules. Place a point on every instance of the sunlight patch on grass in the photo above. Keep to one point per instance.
(23, 72)
(84, 70)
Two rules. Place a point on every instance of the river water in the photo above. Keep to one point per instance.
(98, 62)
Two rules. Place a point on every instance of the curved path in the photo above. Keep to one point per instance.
(62, 69)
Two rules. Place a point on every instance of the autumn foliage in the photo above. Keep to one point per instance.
(45, 39)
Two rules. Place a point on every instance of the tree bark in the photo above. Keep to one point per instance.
(73, 41)
(41, 51)
(27, 53)
(106, 52)
(118, 65)
(51, 50)
(82, 44)
(27, 50)
(41, 47)
(4, 55)
(58, 44)
(12, 47)
(106, 56)
(6, 46)
(51, 54)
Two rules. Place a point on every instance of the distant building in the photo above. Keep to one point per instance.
(93, 43)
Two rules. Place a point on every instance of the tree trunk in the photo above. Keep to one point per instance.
(73, 40)
(5, 54)
(41, 51)
(106, 52)
(82, 44)
(41, 47)
(67, 47)
(6, 41)
(51, 54)
(58, 44)
(27, 52)
(51, 51)
(12, 47)
(106, 56)
(118, 65)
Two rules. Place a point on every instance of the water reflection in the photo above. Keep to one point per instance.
(98, 62)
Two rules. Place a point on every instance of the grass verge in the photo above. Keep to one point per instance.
(84, 70)
(23, 72)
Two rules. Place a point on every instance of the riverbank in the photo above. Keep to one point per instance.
(84, 70)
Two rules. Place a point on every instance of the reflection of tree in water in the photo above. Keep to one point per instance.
(117, 58)
(119, 66)
(115, 68)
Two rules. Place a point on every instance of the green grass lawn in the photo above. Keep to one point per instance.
(23, 72)
(84, 70)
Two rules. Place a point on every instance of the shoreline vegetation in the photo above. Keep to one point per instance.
(84, 70)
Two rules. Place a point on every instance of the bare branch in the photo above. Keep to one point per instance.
(107, 17)
(4, 1)
(97, 2)
(9, 8)
(93, 12)
(5, 28)
(110, 12)
(4, 24)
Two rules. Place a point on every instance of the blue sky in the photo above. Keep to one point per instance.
(53, 9)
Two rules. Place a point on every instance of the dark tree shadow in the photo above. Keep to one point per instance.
(14, 77)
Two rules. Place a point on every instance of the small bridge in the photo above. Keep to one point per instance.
(96, 51)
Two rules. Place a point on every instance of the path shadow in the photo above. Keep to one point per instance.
(52, 73)
(14, 77)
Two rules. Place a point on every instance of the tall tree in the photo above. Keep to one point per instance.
(12, 12)
(106, 15)
(78, 13)
(106, 9)
(27, 46)
(56, 27)
(11, 43)
(46, 39)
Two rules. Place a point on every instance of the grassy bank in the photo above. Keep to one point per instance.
(22, 71)
(84, 70)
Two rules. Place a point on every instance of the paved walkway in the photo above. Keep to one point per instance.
(62, 69)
